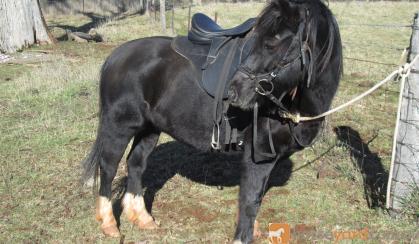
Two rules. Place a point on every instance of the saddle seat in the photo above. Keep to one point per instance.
(204, 29)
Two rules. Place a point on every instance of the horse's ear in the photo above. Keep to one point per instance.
(288, 9)
(277, 12)
(281, 5)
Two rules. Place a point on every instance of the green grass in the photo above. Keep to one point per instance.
(48, 119)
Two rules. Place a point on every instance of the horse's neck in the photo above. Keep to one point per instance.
(314, 101)
(318, 97)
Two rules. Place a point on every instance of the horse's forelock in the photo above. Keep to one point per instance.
(269, 23)
(323, 30)
(269, 20)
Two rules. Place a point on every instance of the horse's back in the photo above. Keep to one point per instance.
(129, 66)
(146, 80)
(132, 54)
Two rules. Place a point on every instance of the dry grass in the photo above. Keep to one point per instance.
(48, 120)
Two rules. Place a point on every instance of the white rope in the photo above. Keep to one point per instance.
(396, 133)
(402, 72)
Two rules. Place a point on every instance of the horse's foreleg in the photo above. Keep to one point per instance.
(253, 181)
(133, 202)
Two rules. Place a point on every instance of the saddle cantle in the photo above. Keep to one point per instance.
(216, 54)
(204, 29)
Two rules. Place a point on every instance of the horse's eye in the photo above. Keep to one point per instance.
(268, 46)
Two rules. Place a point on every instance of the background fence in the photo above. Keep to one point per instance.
(120, 6)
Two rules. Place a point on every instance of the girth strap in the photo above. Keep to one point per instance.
(272, 154)
(218, 103)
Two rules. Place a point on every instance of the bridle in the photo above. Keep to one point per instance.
(265, 83)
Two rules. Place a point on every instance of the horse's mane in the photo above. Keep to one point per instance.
(322, 28)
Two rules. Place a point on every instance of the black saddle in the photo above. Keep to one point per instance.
(216, 54)
(204, 29)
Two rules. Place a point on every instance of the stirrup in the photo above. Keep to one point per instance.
(215, 144)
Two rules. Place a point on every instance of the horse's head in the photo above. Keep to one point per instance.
(292, 44)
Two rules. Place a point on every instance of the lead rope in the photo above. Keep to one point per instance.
(403, 72)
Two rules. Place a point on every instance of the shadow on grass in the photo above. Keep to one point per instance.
(211, 169)
(95, 21)
(369, 164)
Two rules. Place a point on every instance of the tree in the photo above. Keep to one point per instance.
(21, 25)
(163, 15)
(146, 5)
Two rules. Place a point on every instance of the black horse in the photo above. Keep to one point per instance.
(146, 88)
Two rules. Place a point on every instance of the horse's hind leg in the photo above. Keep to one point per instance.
(113, 139)
(133, 202)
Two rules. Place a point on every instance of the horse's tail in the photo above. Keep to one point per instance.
(90, 165)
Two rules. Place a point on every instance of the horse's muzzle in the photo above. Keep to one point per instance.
(232, 96)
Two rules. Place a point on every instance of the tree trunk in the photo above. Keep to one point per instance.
(163, 15)
(146, 7)
(21, 25)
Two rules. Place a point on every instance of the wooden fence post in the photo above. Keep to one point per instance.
(172, 23)
(404, 170)
(189, 17)
(155, 10)
(163, 16)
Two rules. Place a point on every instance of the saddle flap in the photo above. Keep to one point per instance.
(209, 61)
(216, 63)
(213, 72)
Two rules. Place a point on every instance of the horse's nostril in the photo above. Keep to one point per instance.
(232, 95)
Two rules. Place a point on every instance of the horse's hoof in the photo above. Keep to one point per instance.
(105, 216)
(150, 225)
(256, 231)
(136, 212)
(111, 231)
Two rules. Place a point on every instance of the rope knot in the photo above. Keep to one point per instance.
(404, 71)
(294, 117)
